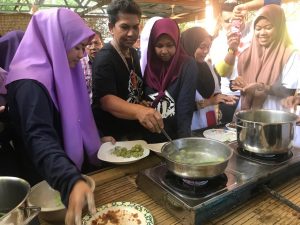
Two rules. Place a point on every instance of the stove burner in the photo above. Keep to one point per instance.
(195, 188)
(195, 182)
(266, 158)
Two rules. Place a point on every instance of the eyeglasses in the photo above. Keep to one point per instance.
(94, 44)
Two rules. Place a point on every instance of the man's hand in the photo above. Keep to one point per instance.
(81, 195)
(150, 119)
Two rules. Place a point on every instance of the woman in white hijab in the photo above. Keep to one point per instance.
(144, 39)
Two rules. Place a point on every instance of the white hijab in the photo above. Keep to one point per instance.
(144, 39)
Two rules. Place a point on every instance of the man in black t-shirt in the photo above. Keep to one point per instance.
(117, 82)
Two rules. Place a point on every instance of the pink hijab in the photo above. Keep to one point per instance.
(42, 56)
(258, 64)
(159, 75)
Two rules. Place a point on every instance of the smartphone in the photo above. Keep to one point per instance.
(235, 26)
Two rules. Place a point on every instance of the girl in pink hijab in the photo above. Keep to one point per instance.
(269, 69)
(170, 77)
(56, 135)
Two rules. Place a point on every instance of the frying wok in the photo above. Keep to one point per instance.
(196, 158)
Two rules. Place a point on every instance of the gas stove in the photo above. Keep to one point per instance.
(194, 202)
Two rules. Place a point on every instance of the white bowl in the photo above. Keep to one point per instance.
(52, 208)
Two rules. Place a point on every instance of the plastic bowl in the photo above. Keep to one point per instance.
(52, 208)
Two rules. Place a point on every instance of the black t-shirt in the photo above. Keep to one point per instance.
(111, 77)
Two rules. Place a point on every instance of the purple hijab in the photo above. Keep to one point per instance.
(8, 47)
(42, 56)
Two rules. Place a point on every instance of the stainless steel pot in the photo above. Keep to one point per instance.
(202, 148)
(13, 208)
(265, 131)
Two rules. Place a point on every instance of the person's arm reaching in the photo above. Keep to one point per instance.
(225, 67)
(33, 110)
(240, 10)
(148, 117)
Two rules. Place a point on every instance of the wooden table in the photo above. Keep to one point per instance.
(118, 184)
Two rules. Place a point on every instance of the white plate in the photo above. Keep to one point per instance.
(220, 134)
(127, 213)
(156, 147)
(106, 149)
(230, 128)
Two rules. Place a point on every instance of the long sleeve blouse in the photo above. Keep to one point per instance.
(36, 122)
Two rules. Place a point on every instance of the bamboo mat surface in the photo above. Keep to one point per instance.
(118, 184)
(262, 209)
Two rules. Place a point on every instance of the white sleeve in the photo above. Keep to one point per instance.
(291, 72)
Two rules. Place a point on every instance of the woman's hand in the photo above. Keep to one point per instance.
(239, 12)
(202, 103)
(226, 99)
(108, 139)
(238, 84)
(2, 109)
(216, 99)
(258, 87)
(233, 40)
(229, 99)
(291, 101)
(81, 195)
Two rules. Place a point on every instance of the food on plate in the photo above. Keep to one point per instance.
(117, 217)
(136, 151)
(57, 200)
(220, 134)
(194, 157)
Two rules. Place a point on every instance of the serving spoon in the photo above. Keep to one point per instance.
(169, 139)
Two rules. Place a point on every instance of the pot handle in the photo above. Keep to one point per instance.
(257, 124)
(240, 126)
(32, 211)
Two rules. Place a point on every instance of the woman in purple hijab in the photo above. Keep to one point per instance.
(48, 101)
(9, 44)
